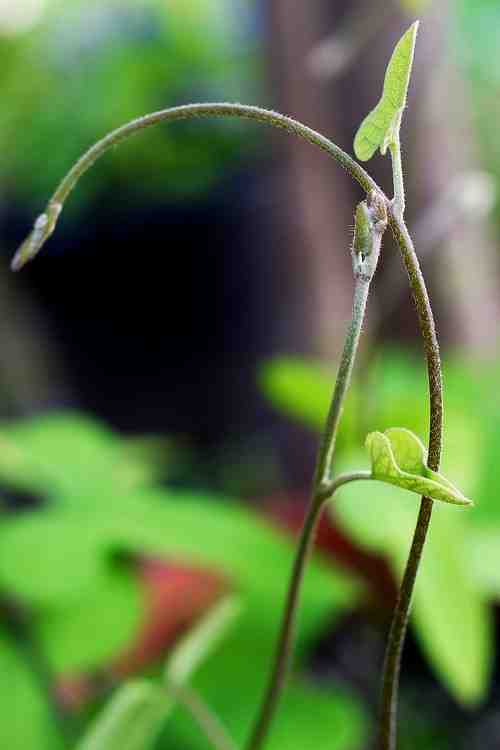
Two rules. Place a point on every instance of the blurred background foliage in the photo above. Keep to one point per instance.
(150, 372)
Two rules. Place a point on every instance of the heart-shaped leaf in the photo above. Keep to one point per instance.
(381, 127)
(398, 457)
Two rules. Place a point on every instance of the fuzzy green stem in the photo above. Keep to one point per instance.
(45, 224)
(324, 487)
(392, 666)
(397, 175)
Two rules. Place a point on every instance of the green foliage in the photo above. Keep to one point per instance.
(233, 681)
(27, 721)
(380, 128)
(67, 560)
(89, 52)
(68, 457)
(303, 390)
(81, 635)
(399, 457)
(451, 617)
(414, 6)
(458, 576)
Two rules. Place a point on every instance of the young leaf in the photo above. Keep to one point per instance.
(398, 457)
(380, 128)
(131, 720)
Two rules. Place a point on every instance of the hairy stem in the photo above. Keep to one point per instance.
(323, 486)
(45, 224)
(398, 179)
(390, 680)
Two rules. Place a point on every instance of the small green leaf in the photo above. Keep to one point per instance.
(200, 640)
(398, 457)
(380, 128)
(131, 720)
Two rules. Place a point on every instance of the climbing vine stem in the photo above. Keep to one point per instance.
(324, 485)
(392, 665)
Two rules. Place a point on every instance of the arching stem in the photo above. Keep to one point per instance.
(45, 224)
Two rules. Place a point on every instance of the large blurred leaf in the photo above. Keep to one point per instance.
(450, 614)
(46, 558)
(233, 681)
(227, 537)
(86, 634)
(68, 454)
(303, 390)
(27, 721)
(254, 557)
(89, 52)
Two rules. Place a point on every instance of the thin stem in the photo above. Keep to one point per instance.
(285, 639)
(390, 680)
(206, 719)
(364, 267)
(397, 175)
(45, 224)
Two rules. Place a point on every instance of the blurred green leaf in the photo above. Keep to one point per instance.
(79, 636)
(48, 559)
(233, 681)
(303, 390)
(89, 51)
(451, 616)
(399, 457)
(380, 128)
(68, 454)
(227, 537)
(131, 720)
(413, 7)
(27, 720)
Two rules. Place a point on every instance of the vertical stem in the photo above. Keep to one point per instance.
(390, 680)
(399, 203)
(323, 488)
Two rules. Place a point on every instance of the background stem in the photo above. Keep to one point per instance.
(206, 719)
(390, 680)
